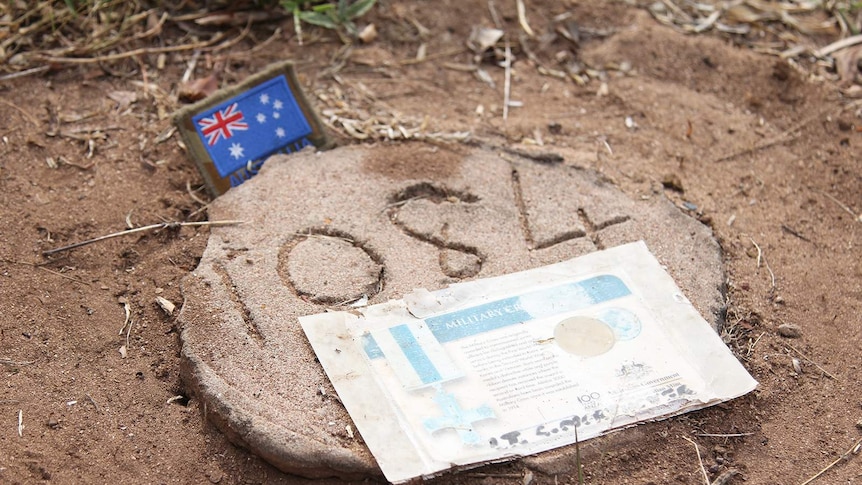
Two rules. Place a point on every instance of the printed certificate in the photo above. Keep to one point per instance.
(514, 365)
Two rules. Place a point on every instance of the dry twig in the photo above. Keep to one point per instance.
(843, 206)
(839, 45)
(846, 456)
(723, 435)
(151, 227)
(760, 257)
(699, 459)
(27, 115)
(93, 402)
(40, 266)
(143, 51)
(507, 83)
(26, 72)
(782, 137)
(431, 57)
(725, 477)
(522, 18)
(127, 326)
(811, 361)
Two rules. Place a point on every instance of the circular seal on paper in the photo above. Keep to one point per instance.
(584, 336)
(322, 229)
(625, 324)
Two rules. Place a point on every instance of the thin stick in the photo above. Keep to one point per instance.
(155, 28)
(61, 275)
(190, 69)
(507, 83)
(199, 210)
(811, 361)
(192, 194)
(452, 52)
(522, 18)
(129, 331)
(151, 227)
(34, 70)
(494, 475)
(843, 206)
(27, 115)
(578, 458)
(263, 44)
(838, 45)
(723, 435)
(132, 53)
(854, 450)
(751, 347)
(95, 404)
(699, 459)
(15, 261)
(761, 256)
(39, 266)
(144, 77)
(242, 35)
(786, 135)
(495, 17)
(128, 316)
(20, 423)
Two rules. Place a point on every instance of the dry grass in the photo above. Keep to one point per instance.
(812, 36)
(50, 33)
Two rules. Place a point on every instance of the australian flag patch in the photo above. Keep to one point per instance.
(232, 133)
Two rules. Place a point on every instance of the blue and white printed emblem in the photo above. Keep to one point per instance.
(252, 125)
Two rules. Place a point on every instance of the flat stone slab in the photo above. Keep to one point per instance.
(326, 229)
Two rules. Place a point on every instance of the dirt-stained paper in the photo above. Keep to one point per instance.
(508, 366)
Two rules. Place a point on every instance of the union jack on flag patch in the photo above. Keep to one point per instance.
(244, 130)
(222, 124)
(231, 133)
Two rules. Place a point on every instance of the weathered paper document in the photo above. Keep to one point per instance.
(509, 366)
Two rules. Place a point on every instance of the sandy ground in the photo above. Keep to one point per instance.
(747, 144)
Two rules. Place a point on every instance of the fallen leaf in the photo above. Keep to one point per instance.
(847, 62)
(198, 89)
(482, 38)
(123, 98)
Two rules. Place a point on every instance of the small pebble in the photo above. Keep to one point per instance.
(789, 330)
(214, 474)
(797, 366)
(368, 34)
